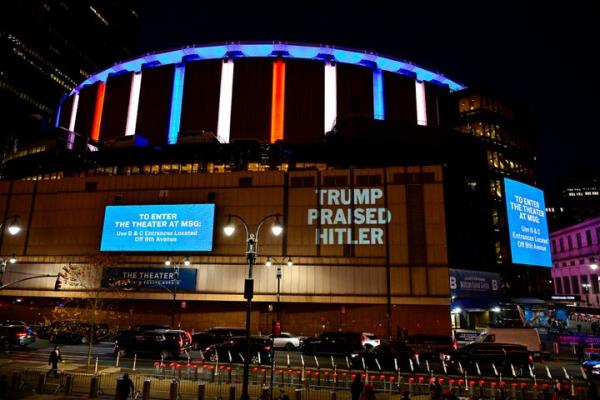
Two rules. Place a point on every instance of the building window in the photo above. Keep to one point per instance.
(368, 180)
(333, 180)
(567, 285)
(562, 245)
(303, 181)
(598, 235)
(554, 246)
(594, 278)
(245, 182)
(588, 237)
(570, 242)
(585, 284)
(578, 239)
(558, 286)
(575, 284)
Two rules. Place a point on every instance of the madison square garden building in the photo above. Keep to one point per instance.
(150, 156)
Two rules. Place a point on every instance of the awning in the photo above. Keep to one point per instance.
(474, 303)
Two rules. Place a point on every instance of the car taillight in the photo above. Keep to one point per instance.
(21, 335)
(530, 358)
(267, 348)
(454, 344)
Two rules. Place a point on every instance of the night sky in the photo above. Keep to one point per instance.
(537, 55)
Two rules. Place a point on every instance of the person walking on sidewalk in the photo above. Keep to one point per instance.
(356, 387)
(124, 387)
(53, 360)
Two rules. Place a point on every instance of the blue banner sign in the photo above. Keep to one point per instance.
(149, 278)
(527, 226)
(161, 227)
(465, 283)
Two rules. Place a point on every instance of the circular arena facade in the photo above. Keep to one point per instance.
(259, 91)
(368, 244)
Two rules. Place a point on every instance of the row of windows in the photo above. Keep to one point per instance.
(476, 102)
(559, 246)
(500, 161)
(583, 284)
(572, 263)
(25, 152)
(24, 97)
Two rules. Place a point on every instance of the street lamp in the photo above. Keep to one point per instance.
(269, 262)
(251, 252)
(176, 264)
(14, 227)
(3, 262)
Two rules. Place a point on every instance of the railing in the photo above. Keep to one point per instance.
(213, 381)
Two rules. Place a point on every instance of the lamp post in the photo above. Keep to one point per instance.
(14, 227)
(176, 264)
(251, 252)
(278, 274)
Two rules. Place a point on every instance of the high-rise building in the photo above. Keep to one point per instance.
(47, 47)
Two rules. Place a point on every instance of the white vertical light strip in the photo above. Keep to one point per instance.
(134, 101)
(225, 97)
(72, 119)
(421, 104)
(330, 96)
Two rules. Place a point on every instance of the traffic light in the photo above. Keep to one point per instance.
(58, 283)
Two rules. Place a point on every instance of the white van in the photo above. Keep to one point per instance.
(524, 336)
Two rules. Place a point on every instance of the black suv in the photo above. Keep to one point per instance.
(432, 347)
(15, 336)
(385, 357)
(166, 343)
(343, 343)
(201, 340)
(233, 350)
(501, 355)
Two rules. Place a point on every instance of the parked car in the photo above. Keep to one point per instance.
(432, 347)
(234, 348)
(388, 355)
(369, 340)
(591, 365)
(73, 332)
(342, 343)
(201, 340)
(287, 341)
(528, 337)
(123, 334)
(15, 336)
(166, 343)
(501, 355)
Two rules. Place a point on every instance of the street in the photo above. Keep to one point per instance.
(36, 355)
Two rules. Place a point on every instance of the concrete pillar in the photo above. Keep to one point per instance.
(201, 391)
(146, 390)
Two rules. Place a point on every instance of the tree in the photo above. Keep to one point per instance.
(95, 305)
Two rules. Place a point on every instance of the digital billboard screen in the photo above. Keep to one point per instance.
(160, 227)
(527, 225)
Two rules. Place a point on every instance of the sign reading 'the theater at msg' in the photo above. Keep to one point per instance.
(349, 216)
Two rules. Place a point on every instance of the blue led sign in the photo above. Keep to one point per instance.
(164, 228)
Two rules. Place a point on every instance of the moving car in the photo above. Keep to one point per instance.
(201, 340)
(15, 336)
(432, 347)
(487, 355)
(369, 340)
(385, 357)
(342, 343)
(287, 341)
(232, 350)
(165, 343)
(528, 337)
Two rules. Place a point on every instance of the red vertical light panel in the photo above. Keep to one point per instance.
(278, 101)
(98, 111)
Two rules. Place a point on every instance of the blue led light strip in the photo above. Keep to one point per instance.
(176, 100)
(378, 98)
(301, 51)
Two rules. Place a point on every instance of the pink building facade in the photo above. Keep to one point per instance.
(576, 261)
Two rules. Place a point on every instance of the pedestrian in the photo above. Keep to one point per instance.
(581, 350)
(356, 387)
(368, 393)
(124, 387)
(435, 389)
(53, 361)
(592, 391)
